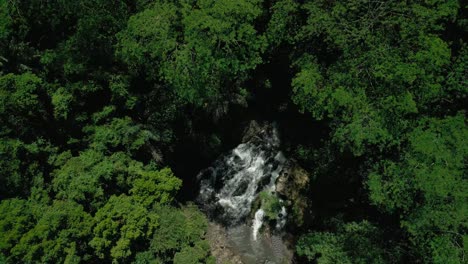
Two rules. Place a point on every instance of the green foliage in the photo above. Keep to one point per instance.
(199, 253)
(91, 45)
(57, 236)
(429, 186)
(120, 88)
(20, 105)
(389, 83)
(214, 50)
(22, 165)
(141, 42)
(120, 225)
(119, 132)
(271, 204)
(283, 23)
(373, 84)
(456, 86)
(86, 179)
(66, 143)
(157, 187)
(87, 35)
(83, 178)
(183, 232)
(15, 219)
(355, 242)
(61, 101)
(5, 21)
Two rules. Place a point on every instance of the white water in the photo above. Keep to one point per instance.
(257, 222)
(282, 218)
(230, 186)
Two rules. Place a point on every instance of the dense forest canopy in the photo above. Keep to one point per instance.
(109, 108)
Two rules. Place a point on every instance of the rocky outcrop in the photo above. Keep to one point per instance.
(251, 131)
(291, 186)
(256, 130)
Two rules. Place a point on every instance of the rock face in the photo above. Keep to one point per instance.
(290, 185)
(255, 129)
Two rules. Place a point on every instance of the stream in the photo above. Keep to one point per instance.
(230, 187)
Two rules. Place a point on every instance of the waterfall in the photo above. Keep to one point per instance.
(230, 186)
(257, 222)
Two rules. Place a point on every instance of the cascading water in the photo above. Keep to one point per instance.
(228, 188)
(231, 185)
(258, 222)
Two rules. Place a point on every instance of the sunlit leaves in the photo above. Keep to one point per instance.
(155, 187)
(369, 78)
(215, 48)
(182, 231)
(57, 236)
(121, 223)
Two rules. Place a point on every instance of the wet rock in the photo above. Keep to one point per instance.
(264, 182)
(217, 236)
(291, 184)
(255, 131)
(251, 131)
(241, 189)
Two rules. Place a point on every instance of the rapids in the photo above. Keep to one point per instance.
(230, 186)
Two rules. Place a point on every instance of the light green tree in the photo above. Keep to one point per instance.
(121, 224)
(59, 234)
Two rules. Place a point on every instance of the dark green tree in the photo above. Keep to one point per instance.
(355, 242)
(428, 187)
(207, 59)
